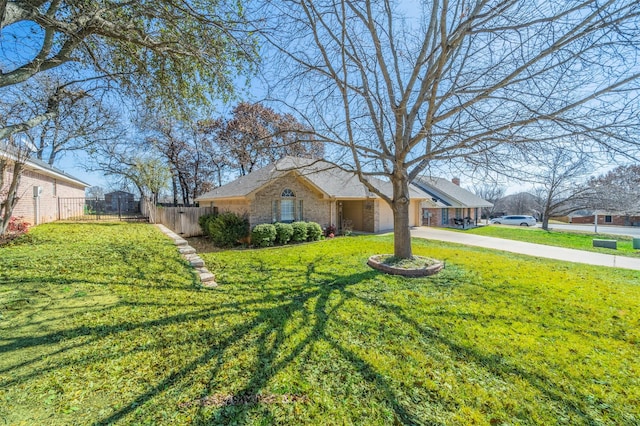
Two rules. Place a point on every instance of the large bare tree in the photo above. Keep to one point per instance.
(617, 191)
(560, 182)
(399, 85)
(256, 135)
(77, 113)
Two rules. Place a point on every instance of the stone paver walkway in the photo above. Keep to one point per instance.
(537, 250)
(189, 253)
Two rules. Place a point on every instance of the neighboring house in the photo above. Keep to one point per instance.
(120, 201)
(454, 205)
(312, 190)
(41, 187)
(606, 219)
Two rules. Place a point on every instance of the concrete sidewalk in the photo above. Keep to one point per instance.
(537, 250)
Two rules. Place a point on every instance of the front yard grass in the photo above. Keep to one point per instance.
(575, 240)
(104, 323)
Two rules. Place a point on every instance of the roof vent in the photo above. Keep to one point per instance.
(456, 180)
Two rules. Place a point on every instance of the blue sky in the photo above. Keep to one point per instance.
(19, 38)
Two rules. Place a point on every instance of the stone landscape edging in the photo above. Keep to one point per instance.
(207, 279)
(412, 273)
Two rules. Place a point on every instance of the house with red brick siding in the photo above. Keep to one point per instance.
(41, 187)
(607, 218)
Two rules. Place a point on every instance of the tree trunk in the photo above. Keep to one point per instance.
(174, 187)
(6, 206)
(546, 214)
(545, 222)
(400, 207)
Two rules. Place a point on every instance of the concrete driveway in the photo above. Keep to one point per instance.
(530, 249)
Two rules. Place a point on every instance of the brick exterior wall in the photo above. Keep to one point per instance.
(314, 208)
(616, 220)
(235, 206)
(372, 215)
(52, 189)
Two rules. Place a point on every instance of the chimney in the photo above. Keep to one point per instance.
(456, 180)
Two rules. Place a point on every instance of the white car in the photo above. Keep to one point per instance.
(514, 220)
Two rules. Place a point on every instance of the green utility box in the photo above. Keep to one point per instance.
(612, 244)
(636, 243)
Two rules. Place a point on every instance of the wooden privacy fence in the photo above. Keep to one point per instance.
(182, 220)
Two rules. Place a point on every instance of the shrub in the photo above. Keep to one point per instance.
(314, 231)
(284, 232)
(204, 222)
(263, 235)
(15, 228)
(228, 228)
(330, 231)
(299, 232)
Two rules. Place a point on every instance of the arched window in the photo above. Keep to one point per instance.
(287, 206)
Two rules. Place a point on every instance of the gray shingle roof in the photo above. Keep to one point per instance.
(334, 182)
(40, 165)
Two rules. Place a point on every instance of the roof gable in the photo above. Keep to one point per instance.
(325, 177)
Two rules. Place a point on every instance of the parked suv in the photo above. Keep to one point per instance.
(514, 220)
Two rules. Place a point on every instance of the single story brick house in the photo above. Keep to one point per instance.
(313, 190)
(41, 186)
(607, 218)
(454, 205)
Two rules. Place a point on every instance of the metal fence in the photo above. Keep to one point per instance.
(99, 209)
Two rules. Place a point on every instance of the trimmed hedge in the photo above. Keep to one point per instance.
(314, 231)
(228, 228)
(266, 234)
(263, 235)
(284, 232)
(299, 232)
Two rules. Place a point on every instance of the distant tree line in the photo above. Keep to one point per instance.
(201, 154)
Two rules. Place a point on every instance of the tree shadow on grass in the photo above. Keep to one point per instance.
(322, 315)
(272, 317)
(271, 327)
(97, 332)
(494, 363)
(269, 359)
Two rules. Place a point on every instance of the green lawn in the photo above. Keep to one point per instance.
(105, 324)
(574, 240)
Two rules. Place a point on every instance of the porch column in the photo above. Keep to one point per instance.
(332, 213)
